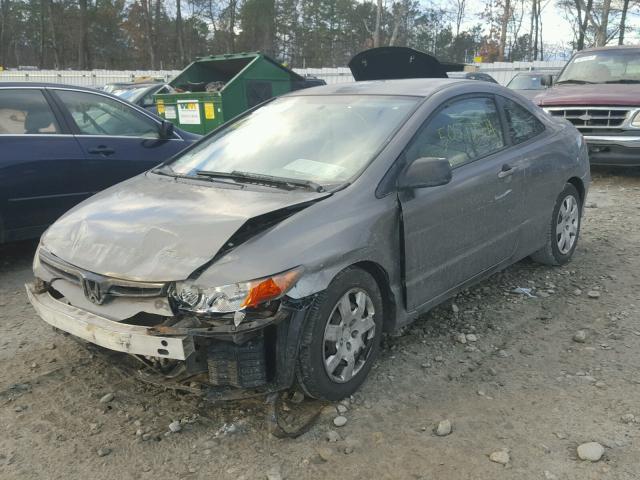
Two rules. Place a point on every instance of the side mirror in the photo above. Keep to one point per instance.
(426, 172)
(166, 129)
(546, 80)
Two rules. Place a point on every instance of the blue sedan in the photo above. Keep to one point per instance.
(61, 144)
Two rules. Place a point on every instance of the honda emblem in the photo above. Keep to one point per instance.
(93, 291)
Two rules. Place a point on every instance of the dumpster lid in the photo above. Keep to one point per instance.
(229, 65)
(388, 63)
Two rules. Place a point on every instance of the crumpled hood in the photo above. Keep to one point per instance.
(154, 228)
(598, 94)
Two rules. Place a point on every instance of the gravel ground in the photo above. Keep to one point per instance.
(530, 380)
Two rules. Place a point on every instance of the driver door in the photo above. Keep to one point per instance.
(118, 141)
(455, 232)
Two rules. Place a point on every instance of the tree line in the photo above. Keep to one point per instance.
(167, 34)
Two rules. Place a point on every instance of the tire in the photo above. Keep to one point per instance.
(555, 252)
(325, 322)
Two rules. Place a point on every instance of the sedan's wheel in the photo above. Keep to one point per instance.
(341, 337)
(564, 229)
(567, 223)
(348, 336)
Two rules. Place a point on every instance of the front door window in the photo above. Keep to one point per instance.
(100, 115)
(462, 131)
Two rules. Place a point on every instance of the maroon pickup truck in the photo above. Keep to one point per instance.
(599, 92)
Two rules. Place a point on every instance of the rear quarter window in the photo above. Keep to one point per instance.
(521, 123)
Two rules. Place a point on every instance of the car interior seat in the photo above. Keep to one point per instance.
(37, 120)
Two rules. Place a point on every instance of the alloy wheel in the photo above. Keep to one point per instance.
(567, 224)
(349, 335)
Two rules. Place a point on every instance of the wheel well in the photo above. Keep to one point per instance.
(576, 182)
(382, 279)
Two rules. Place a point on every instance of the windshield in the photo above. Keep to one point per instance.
(323, 139)
(608, 66)
(526, 82)
(130, 94)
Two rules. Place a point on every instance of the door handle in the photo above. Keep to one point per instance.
(506, 171)
(102, 150)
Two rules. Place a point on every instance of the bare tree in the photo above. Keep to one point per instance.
(504, 23)
(179, 34)
(601, 36)
(598, 20)
(376, 33)
(233, 5)
(515, 23)
(54, 39)
(148, 27)
(399, 18)
(623, 21)
(584, 23)
(4, 13)
(42, 34)
(531, 26)
(461, 6)
(84, 61)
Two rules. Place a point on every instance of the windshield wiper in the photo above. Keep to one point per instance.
(164, 170)
(170, 172)
(574, 80)
(623, 80)
(279, 182)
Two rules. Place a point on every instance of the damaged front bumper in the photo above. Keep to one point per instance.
(106, 333)
(222, 362)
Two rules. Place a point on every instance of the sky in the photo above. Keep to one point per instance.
(555, 28)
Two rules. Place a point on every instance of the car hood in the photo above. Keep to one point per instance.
(598, 94)
(155, 228)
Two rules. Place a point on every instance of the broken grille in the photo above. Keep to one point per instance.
(594, 119)
(109, 286)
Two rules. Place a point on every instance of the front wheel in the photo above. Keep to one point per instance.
(341, 337)
(563, 230)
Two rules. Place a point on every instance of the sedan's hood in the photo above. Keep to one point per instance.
(155, 228)
(598, 94)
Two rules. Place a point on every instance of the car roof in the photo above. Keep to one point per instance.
(611, 47)
(418, 87)
(529, 74)
(46, 85)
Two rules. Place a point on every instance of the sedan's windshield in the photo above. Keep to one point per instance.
(607, 66)
(526, 82)
(323, 139)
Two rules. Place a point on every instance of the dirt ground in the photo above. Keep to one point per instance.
(525, 385)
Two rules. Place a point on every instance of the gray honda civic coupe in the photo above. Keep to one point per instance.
(276, 251)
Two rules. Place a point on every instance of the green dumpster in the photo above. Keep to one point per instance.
(214, 89)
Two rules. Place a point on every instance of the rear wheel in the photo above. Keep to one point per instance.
(342, 335)
(564, 229)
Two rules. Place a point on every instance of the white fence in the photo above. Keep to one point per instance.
(84, 78)
(505, 71)
(502, 72)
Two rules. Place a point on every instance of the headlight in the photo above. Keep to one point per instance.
(636, 120)
(232, 298)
